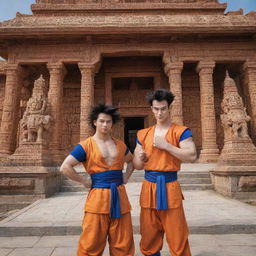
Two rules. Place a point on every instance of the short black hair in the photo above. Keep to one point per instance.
(160, 95)
(104, 109)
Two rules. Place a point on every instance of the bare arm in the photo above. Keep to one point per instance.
(129, 168)
(67, 168)
(186, 152)
(140, 157)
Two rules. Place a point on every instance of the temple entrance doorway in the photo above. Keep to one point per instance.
(131, 126)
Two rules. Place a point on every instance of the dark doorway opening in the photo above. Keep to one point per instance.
(131, 126)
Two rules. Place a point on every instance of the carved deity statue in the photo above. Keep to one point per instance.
(234, 117)
(36, 120)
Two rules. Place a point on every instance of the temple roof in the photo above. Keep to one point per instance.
(74, 17)
(54, 6)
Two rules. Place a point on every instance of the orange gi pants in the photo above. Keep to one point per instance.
(172, 222)
(96, 229)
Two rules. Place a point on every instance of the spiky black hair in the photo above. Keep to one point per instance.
(160, 95)
(105, 109)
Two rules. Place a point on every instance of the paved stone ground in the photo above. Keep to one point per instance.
(219, 226)
(207, 212)
(201, 245)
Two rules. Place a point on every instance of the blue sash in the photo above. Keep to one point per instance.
(155, 254)
(160, 178)
(110, 179)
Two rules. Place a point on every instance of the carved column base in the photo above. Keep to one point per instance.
(238, 153)
(235, 174)
(22, 185)
(209, 156)
(31, 153)
(238, 182)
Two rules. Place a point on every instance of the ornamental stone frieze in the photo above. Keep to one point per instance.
(177, 23)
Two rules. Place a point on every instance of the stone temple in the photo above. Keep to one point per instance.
(71, 54)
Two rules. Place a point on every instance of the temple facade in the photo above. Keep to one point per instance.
(81, 52)
(116, 52)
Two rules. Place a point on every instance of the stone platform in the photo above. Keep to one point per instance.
(51, 227)
(206, 211)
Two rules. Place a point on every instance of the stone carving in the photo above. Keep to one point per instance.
(232, 22)
(234, 175)
(25, 94)
(137, 98)
(234, 117)
(36, 119)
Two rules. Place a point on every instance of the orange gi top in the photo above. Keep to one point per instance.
(161, 160)
(98, 199)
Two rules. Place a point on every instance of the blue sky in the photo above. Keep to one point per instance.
(8, 8)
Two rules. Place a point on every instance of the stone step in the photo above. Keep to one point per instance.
(197, 187)
(200, 245)
(182, 174)
(189, 181)
(80, 188)
(12, 202)
(194, 175)
(185, 186)
(68, 182)
(65, 230)
(195, 181)
(72, 189)
(183, 180)
(62, 214)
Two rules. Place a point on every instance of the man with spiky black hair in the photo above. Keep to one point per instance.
(159, 151)
(107, 209)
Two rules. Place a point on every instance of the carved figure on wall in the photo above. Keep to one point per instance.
(36, 119)
(234, 117)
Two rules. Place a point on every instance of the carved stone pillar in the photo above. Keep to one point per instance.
(210, 151)
(11, 102)
(108, 89)
(250, 72)
(173, 71)
(87, 98)
(55, 96)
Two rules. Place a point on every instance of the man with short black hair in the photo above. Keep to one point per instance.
(107, 209)
(160, 150)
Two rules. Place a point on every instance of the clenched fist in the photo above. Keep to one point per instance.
(143, 156)
(160, 142)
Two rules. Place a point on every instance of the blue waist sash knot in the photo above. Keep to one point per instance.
(161, 178)
(110, 179)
